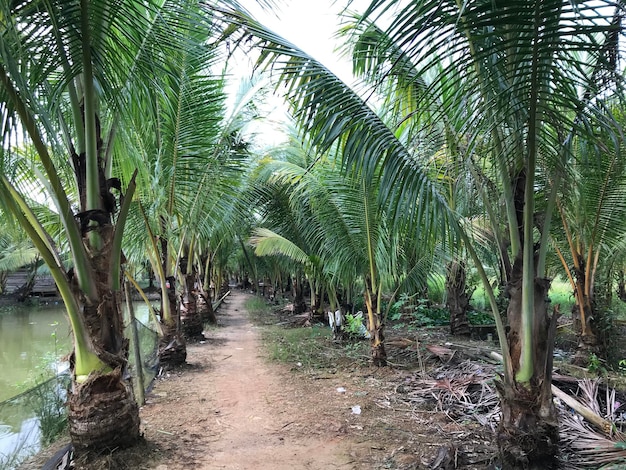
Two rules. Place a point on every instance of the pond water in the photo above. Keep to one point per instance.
(32, 342)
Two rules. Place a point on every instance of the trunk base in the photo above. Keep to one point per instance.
(172, 350)
(379, 355)
(103, 414)
(206, 310)
(192, 326)
(528, 435)
(587, 345)
(458, 299)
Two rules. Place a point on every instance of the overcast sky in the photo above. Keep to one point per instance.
(310, 25)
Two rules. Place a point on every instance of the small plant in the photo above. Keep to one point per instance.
(48, 401)
(596, 365)
(354, 326)
(417, 313)
(355, 350)
(423, 315)
(476, 317)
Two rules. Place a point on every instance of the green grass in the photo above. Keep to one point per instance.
(436, 288)
(302, 348)
(561, 293)
(308, 348)
(260, 311)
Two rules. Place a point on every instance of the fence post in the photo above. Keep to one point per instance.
(137, 353)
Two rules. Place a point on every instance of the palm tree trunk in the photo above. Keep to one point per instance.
(102, 412)
(376, 328)
(191, 319)
(299, 304)
(583, 316)
(379, 354)
(528, 431)
(172, 346)
(457, 298)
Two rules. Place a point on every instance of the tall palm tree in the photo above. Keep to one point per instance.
(523, 51)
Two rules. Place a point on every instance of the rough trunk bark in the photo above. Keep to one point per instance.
(587, 338)
(457, 299)
(172, 346)
(102, 411)
(299, 304)
(190, 317)
(103, 414)
(528, 431)
(583, 321)
(379, 354)
(205, 307)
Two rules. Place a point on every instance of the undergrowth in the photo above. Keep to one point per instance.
(305, 348)
(308, 348)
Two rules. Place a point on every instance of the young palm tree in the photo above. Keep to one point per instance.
(592, 216)
(338, 231)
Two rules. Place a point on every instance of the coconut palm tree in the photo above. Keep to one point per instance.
(592, 214)
(538, 73)
(72, 73)
(335, 227)
(531, 75)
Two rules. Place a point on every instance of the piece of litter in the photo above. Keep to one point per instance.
(341, 390)
(299, 364)
(356, 410)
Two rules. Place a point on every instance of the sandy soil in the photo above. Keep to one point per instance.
(237, 411)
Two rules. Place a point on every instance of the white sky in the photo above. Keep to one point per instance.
(311, 25)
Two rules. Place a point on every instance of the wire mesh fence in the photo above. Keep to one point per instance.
(33, 419)
(148, 349)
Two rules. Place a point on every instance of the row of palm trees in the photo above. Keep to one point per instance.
(480, 131)
(490, 123)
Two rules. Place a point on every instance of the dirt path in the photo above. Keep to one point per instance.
(237, 411)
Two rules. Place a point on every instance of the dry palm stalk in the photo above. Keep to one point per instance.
(586, 447)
